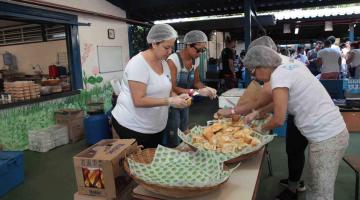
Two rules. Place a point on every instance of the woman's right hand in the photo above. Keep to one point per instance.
(178, 102)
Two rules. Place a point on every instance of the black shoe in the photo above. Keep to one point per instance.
(286, 195)
(301, 187)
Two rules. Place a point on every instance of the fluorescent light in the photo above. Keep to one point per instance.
(328, 26)
(297, 30)
(286, 28)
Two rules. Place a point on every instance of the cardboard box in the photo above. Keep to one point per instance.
(73, 118)
(98, 167)
(78, 196)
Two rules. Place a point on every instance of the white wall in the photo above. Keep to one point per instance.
(96, 34)
(34, 53)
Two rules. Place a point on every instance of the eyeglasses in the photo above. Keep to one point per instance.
(199, 50)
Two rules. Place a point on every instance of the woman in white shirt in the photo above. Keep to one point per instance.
(185, 78)
(296, 91)
(145, 95)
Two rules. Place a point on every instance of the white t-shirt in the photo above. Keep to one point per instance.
(336, 47)
(175, 58)
(330, 60)
(316, 116)
(356, 59)
(302, 58)
(144, 120)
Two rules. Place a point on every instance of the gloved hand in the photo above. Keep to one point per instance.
(251, 116)
(177, 102)
(223, 112)
(208, 92)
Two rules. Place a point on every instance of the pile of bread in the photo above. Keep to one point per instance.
(227, 137)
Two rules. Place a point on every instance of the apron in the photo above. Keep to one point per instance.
(185, 78)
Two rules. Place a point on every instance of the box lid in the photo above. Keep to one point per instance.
(9, 159)
(107, 149)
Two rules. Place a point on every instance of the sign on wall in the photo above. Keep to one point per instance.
(110, 58)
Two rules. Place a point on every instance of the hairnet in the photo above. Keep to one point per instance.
(161, 32)
(262, 56)
(194, 37)
(265, 41)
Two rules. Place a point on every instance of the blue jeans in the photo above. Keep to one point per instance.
(178, 119)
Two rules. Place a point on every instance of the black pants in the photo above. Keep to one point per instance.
(147, 140)
(295, 148)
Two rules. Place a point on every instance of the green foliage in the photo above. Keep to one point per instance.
(16, 122)
(137, 38)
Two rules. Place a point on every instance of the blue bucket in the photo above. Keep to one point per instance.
(96, 128)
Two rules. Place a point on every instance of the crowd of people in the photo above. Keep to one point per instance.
(327, 60)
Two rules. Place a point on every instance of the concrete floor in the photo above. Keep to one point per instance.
(51, 175)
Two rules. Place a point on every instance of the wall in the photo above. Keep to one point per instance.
(33, 54)
(97, 33)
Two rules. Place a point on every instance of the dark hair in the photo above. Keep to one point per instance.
(319, 42)
(327, 43)
(228, 40)
(284, 51)
(332, 39)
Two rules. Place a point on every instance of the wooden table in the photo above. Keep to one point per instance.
(242, 184)
(354, 163)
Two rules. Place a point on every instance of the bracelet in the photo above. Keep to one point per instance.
(191, 92)
(233, 111)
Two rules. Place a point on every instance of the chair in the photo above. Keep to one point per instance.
(354, 163)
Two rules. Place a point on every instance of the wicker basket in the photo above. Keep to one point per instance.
(243, 157)
(146, 156)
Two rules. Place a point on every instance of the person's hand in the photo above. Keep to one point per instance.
(184, 96)
(251, 116)
(208, 92)
(177, 102)
(223, 112)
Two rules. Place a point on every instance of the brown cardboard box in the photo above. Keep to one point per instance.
(98, 167)
(78, 196)
(73, 118)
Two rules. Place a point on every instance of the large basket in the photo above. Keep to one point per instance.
(243, 157)
(146, 157)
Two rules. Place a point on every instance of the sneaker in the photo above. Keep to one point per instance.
(286, 195)
(301, 187)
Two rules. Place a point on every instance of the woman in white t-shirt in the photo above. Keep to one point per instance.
(145, 95)
(186, 79)
(296, 91)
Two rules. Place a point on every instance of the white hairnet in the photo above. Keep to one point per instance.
(265, 41)
(194, 37)
(262, 56)
(161, 32)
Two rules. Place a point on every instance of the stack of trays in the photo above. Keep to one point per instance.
(22, 90)
(45, 139)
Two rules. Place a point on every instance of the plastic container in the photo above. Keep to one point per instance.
(97, 128)
(11, 170)
(281, 131)
(45, 139)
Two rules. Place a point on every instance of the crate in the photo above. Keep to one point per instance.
(73, 119)
(11, 170)
(45, 139)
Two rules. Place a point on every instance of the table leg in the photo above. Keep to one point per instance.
(268, 158)
(357, 186)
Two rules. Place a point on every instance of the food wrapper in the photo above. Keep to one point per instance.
(171, 167)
